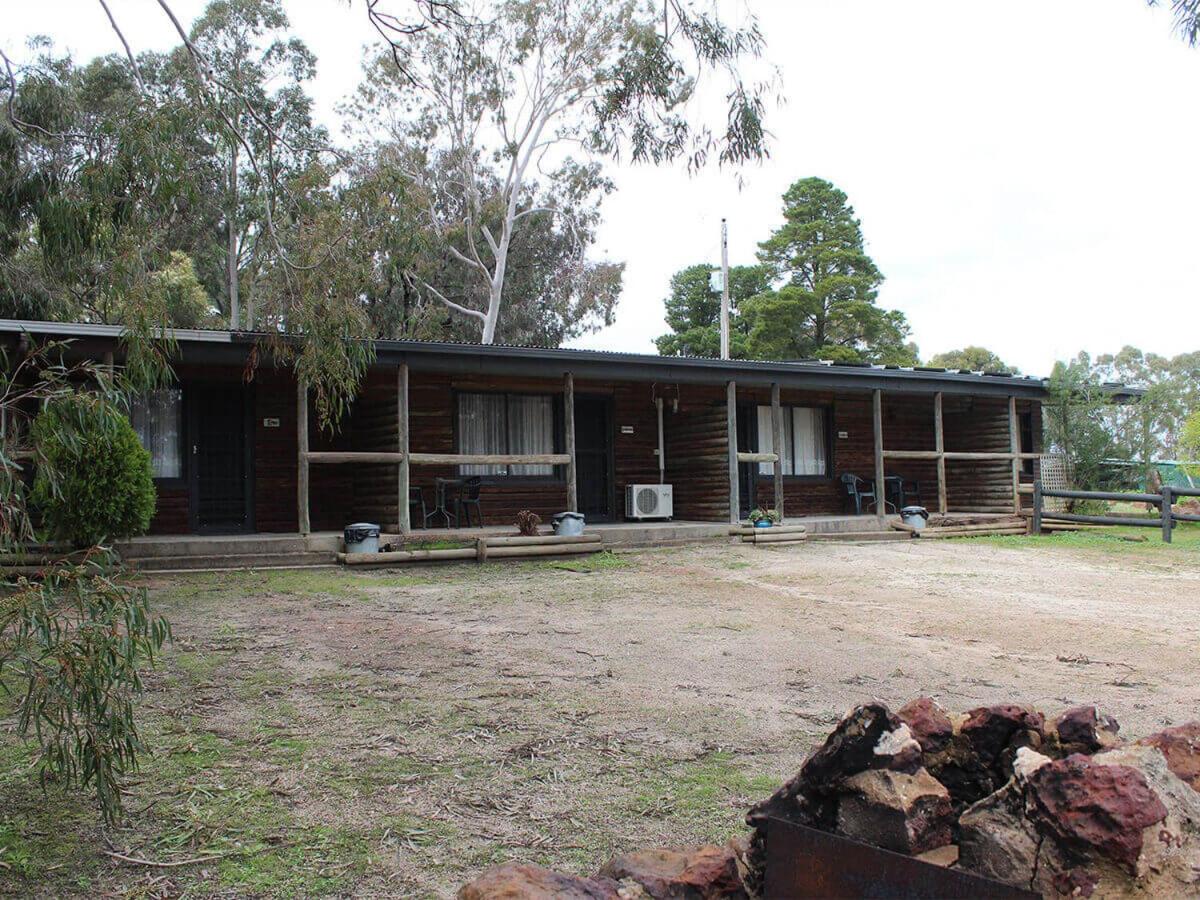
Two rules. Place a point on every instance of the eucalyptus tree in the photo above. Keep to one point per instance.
(94, 174)
(1187, 18)
(547, 87)
(1150, 427)
(259, 123)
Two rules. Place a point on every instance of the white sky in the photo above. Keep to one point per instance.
(1025, 172)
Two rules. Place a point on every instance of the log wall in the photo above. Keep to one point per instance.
(697, 449)
(695, 438)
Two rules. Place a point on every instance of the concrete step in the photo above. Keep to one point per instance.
(233, 561)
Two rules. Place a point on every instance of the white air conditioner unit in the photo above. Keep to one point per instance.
(648, 501)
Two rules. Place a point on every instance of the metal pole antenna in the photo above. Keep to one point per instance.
(724, 290)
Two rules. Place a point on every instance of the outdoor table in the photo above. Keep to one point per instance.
(442, 487)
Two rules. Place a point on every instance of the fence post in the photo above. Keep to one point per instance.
(1036, 526)
(1167, 521)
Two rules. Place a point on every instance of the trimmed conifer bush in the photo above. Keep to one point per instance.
(94, 480)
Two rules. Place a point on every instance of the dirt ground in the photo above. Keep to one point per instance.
(393, 733)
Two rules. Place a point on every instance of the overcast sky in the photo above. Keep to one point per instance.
(1025, 172)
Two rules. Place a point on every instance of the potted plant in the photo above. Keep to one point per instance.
(764, 518)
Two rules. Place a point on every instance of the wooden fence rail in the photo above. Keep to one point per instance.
(1167, 519)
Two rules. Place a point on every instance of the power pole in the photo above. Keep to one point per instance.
(724, 290)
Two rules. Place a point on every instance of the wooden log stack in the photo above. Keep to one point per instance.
(968, 527)
(486, 547)
(776, 534)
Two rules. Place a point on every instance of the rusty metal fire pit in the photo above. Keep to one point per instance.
(803, 862)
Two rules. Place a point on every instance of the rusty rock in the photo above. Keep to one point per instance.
(929, 723)
(701, 873)
(516, 881)
(809, 797)
(1181, 746)
(907, 813)
(1082, 729)
(992, 729)
(1098, 807)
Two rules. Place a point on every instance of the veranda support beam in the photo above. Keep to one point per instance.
(1014, 440)
(302, 455)
(334, 457)
(731, 438)
(940, 442)
(569, 427)
(402, 447)
(777, 444)
(757, 457)
(950, 454)
(486, 459)
(880, 484)
(338, 457)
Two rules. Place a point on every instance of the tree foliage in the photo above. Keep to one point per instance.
(812, 296)
(1074, 415)
(1189, 444)
(971, 359)
(694, 311)
(1187, 18)
(550, 87)
(75, 636)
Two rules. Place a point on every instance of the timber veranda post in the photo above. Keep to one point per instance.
(302, 519)
(569, 427)
(939, 437)
(880, 486)
(402, 490)
(777, 445)
(1014, 440)
(731, 437)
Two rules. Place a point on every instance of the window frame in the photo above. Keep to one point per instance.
(183, 480)
(826, 412)
(557, 477)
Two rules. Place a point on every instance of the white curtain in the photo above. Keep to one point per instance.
(157, 417)
(766, 440)
(481, 430)
(531, 430)
(809, 430)
(507, 424)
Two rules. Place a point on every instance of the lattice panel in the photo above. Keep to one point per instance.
(1055, 476)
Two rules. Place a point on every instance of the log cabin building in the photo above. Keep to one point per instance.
(237, 451)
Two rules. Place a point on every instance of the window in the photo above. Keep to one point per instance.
(805, 449)
(157, 418)
(506, 424)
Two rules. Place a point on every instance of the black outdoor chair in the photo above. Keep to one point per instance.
(468, 498)
(416, 501)
(858, 490)
(910, 493)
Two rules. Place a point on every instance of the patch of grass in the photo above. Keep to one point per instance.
(604, 561)
(438, 545)
(1114, 540)
(707, 795)
(321, 860)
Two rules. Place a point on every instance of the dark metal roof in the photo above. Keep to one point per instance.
(499, 359)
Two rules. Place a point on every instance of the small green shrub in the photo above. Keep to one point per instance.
(94, 481)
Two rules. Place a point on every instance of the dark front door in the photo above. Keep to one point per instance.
(594, 457)
(747, 433)
(220, 471)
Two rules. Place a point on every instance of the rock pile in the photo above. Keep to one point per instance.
(1062, 809)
